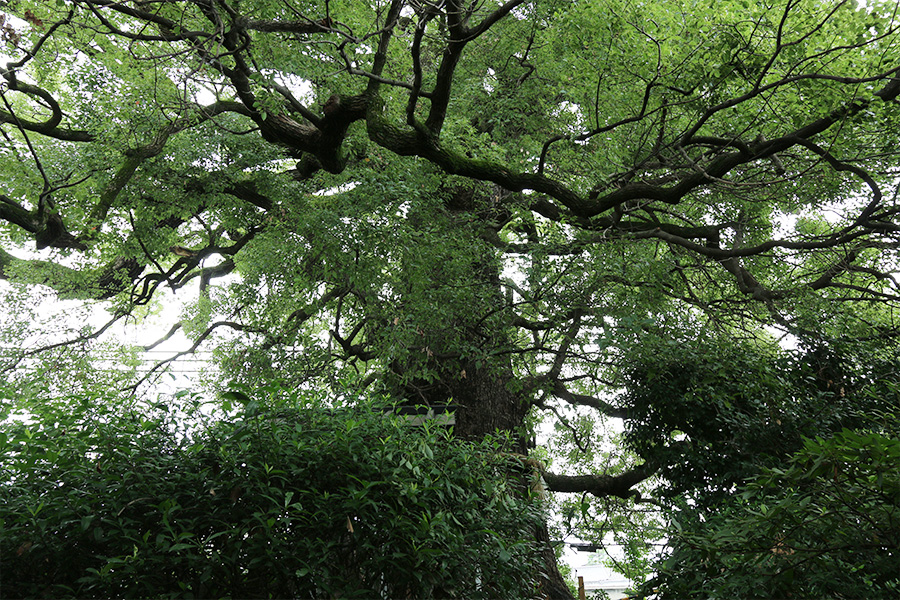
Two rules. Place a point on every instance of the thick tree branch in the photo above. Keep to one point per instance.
(600, 485)
(99, 283)
(48, 229)
(560, 391)
(559, 360)
(49, 127)
(493, 18)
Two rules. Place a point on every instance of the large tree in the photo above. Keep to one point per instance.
(515, 207)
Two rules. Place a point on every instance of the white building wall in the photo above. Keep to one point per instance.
(601, 577)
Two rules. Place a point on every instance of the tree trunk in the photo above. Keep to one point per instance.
(486, 405)
(481, 395)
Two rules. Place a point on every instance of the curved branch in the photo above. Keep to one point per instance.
(200, 339)
(492, 18)
(600, 485)
(172, 331)
(81, 339)
(301, 315)
(560, 391)
(568, 338)
(50, 127)
(136, 156)
(167, 27)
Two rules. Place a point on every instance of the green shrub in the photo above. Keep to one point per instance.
(305, 502)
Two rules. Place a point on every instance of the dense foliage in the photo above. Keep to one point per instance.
(300, 501)
(653, 244)
(726, 411)
(776, 495)
(824, 525)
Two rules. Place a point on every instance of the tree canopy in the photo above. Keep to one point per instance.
(680, 216)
